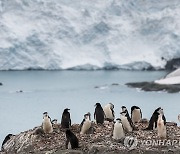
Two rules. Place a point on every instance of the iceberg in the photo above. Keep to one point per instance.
(170, 79)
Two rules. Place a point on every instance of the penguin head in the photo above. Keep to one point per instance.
(45, 114)
(123, 108)
(111, 106)
(66, 110)
(118, 120)
(87, 116)
(54, 121)
(134, 107)
(156, 111)
(97, 104)
(160, 111)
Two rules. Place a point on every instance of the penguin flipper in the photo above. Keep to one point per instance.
(130, 120)
(164, 118)
(81, 124)
(95, 115)
(141, 113)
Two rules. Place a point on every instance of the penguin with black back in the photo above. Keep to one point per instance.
(154, 118)
(126, 121)
(136, 114)
(99, 114)
(66, 119)
(72, 141)
(124, 110)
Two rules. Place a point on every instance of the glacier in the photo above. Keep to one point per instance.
(88, 34)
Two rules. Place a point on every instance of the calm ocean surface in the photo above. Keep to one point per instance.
(52, 91)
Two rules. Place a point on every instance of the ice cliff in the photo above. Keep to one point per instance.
(88, 34)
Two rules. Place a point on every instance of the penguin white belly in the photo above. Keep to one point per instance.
(47, 126)
(126, 124)
(69, 145)
(161, 128)
(118, 131)
(85, 127)
(136, 115)
(108, 113)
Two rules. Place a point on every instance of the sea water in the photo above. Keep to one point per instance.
(53, 91)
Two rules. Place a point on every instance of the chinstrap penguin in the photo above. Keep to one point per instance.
(99, 114)
(136, 114)
(109, 112)
(161, 125)
(85, 124)
(72, 141)
(55, 123)
(47, 125)
(153, 120)
(66, 119)
(126, 121)
(118, 131)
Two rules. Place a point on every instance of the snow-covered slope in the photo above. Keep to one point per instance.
(172, 78)
(90, 34)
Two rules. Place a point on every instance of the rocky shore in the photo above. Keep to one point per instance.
(152, 86)
(98, 140)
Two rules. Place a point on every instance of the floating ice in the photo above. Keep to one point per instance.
(172, 78)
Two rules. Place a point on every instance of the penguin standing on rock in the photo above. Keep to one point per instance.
(109, 112)
(124, 109)
(126, 121)
(118, 132)
(66, 119)
(154, 118)
(136, 114)
(72, 141)
(99, 114)
(161, 124)
(85, 124)
(47, 125)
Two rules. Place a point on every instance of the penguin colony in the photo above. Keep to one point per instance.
(121, 125)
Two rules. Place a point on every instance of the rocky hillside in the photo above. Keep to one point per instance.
(99, 140)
